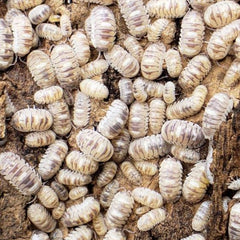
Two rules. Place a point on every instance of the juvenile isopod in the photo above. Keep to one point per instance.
(233, 74)
(22, 176)
(60, 190)
(77, 192)
(49, 31)
(82, 213)
(48, 95)
(94, 89)
(58, 211)
(126, 90)
(24, 4)
(39, 14)
(194, 237)
(119, 210)
(183, 133)
(169, 92)
(139, 89)
(122, 61)
(40, 217)
(81, 232)
(152, 61)
(173, 62)
(52, 159)
(40, 139)
(65, 25)
(99, 225)
(215, 113)
(107, 174)
(155, 89)
(94, 145)
(151, 219)
(146, 168)
(39, 235)
(114, 234)
(48, 197)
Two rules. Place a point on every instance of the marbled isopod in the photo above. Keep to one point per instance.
(201, 217)
(155, 89)
(200, 4)
(167, 8)
(60, 190)
(115, 234)
(152, 61)
(151, 219)
(221, 13)
(31, 119)
(147, 197)
(66, 65)
(184, 154)
(80, 45)
(131, 173)
(39, 235)
(23, 4)
(138, 119)
(146, 168)
(65, 25)
(94, 145)
(142, 210)
(122, 61)
(233, 74)
(194, 237)
(196, 183)
(119, 210)
(135, 16)
(52, 159)
(40, 217)
(157, 109)
(39, 14)
(215, 113)
(108, 193)
(99, 225)
(61, 117)
(195, 71)
(82, 213)
(49, 31)
(234, 222)
(71, 178)
(18, 172)
(41, 69)
(170, 179)
(148, 148)
(139, 89)
(58, 211)
(6, 41)
(169, 92)
(40, 139)
(48, 95)
(94, 89)
(115, 119)
(107, 174)
(82, 232)
(77, 192)
(126, 90)
(79, 162)
(192, 34)
(183, 133)
(173, 62)
(48, 197)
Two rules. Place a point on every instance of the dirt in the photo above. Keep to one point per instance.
(20, 87)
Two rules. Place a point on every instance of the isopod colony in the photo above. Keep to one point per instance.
(96, 173)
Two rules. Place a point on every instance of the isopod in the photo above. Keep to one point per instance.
(173, 63)
(236, 47)
(48, 197)
(142, 210)
(82, 213)
(24, 4)
(77, 192)
(234, 222)
(99, 225)
(11, 14)
(39, 14)
(65, 25)
(19, 173)
(49, 31)
(200, 4)
(39, 235)
(169, 92)
(81, 232)
(139, 89)
(194, 237)
(168, 34)
(233, 74)
(58, 211)
(52, 160)
(60, 190)
(126, 90)
(114, 234)
(107, 174)
(48, 95)
(155, 89)
(57, 234)
(146, 168)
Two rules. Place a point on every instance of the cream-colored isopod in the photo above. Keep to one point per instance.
(48, 95)
(81, 232)
(126, 90)
(173, 62)
(39, 14)
(23, 4)
(49, 31)
(48, 197)
(233, 74)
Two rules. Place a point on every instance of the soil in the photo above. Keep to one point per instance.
(20, 87)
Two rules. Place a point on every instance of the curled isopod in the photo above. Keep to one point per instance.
(41, 69)
(40, 217)
(60, 190)
(170, 179)
(167, 8)
(6, 41)
(169, 93)
(39, 14)
(152, 61)
(39, 235)
(119, 210)
(192, 34)
(135, 16)
(65, 25)
(48, 197)
(183, 133)
(201, 217)
(48, 95)
(23, 4)
(52, 159)
(58, 211)
(155, 89)
(131, 173)
(40, 139)
(154, 146)
(157, 109)
(142, 210)
(151, 219)
(115, 119)
(126, 90)
(49, 31)
(184, 154)
(94, 145)
(22, 176)
(81, 232)
(195, 71)
(94, 89)
(115, 234)
(146, 168)
(222, 13)
(138, 119)
(234, 222)
(215, 113)
(122, 61)
(79, 214)
(233, 74)
(173, 62)
(61, 117)
(196, 183)
(77, 192)
(107, 174)
(140, 89)
(79, 162)
(194, 237)
(99, 225)
(31, 119)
